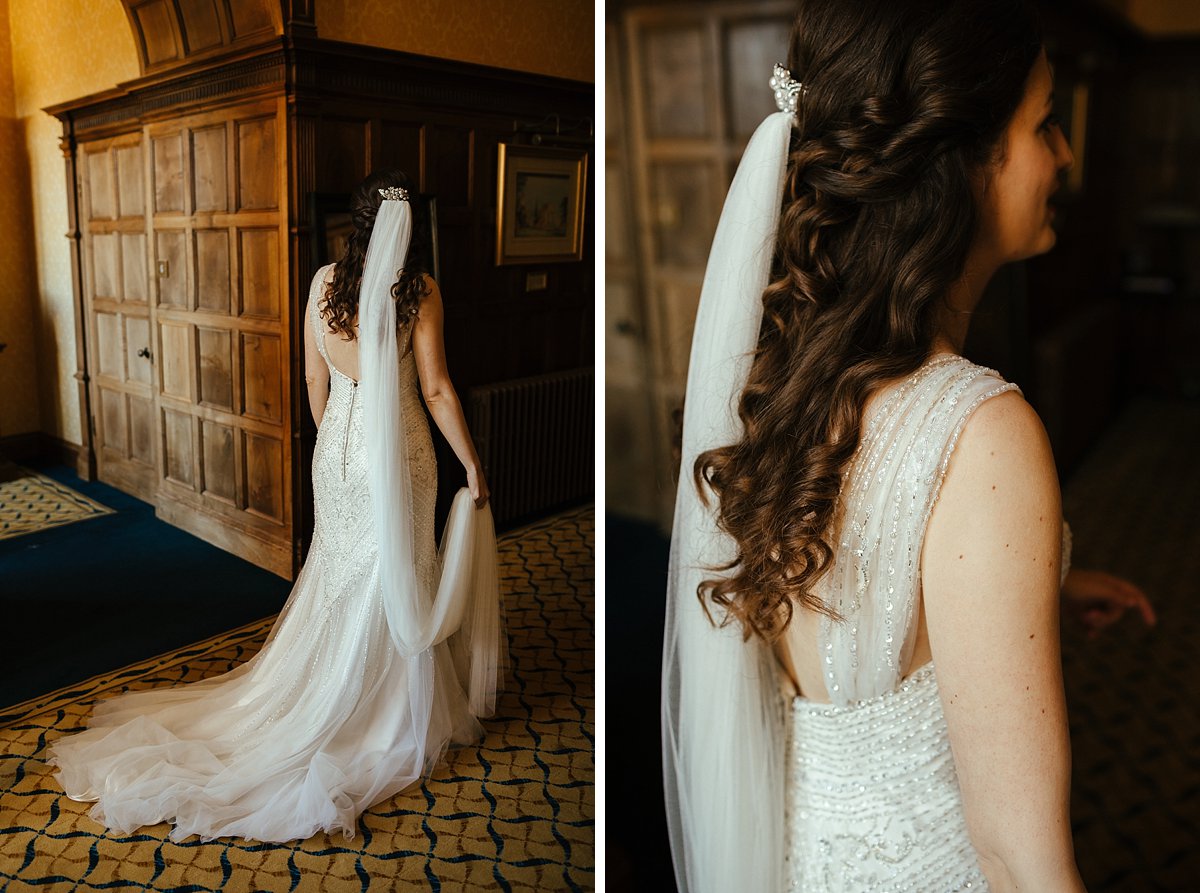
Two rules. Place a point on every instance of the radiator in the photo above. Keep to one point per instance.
(536, 438)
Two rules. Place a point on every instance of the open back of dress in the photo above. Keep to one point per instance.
(872, 797)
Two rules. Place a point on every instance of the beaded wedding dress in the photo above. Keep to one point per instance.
(872, 798)
(327, 718)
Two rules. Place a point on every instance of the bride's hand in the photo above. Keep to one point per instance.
(477, 485)
(1098, 600)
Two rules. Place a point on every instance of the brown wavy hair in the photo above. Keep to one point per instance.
(341, 294)
(906, 108)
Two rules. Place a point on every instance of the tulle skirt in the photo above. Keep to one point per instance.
(326, 720)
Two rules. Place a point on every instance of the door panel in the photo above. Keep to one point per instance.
(187, 327)
(222, 324)
(692, 87)
(118, 316)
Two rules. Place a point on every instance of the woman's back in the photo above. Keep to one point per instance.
(873, 799)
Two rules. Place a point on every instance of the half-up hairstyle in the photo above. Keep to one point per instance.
(906, 106)
(341, 294)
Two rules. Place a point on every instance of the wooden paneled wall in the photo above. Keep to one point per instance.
(441, 123)
(496, 329)
(194, 257)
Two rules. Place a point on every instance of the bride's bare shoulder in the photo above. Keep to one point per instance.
(1002, 430)
(1000, 476)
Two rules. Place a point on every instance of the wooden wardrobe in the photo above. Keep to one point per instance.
(189, 199)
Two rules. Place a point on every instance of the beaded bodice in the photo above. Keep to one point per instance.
(872, 797)
(343, 522)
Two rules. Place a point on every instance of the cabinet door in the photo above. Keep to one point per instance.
(630, 454)
(221, 321)
(121, 356)
(693, 87)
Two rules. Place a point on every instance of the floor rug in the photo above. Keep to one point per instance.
(513, 813)
(30, 502)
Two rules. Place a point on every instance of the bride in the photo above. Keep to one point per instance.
(386, 652)
(865, 520)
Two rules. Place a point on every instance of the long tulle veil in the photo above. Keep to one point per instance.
(722, 711)
(466, 601)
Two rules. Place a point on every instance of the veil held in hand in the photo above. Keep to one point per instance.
(464, 606)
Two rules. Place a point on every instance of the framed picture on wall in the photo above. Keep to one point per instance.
(331, 226)
(540, 196)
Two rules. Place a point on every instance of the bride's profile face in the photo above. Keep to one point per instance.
(1016, 205)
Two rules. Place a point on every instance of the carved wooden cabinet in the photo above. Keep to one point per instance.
(190, 198)
(183, 248)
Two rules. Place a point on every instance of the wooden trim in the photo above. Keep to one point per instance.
(224, 533)
(43, 447)
(85, 460)
(21, 447)
(320, 69)
(256, 68)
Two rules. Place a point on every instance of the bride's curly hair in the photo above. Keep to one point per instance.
(906, 106)
(341, 294)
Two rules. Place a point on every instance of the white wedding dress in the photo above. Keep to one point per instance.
(872, 798)
(323, 722)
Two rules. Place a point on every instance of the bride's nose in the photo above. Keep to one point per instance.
(1063, 155)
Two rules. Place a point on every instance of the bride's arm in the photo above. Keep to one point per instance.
(990, 578)
(441, 398)
(316, 373)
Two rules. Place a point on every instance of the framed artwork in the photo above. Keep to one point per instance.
(331, 226)
(540, 196)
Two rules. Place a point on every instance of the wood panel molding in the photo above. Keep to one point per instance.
(38, 446)
(170, 33)
(259, 69)
(330, 67)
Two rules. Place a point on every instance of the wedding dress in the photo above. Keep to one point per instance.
(872, 799)
(329, 717)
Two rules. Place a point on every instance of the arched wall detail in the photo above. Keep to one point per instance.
(169, 33)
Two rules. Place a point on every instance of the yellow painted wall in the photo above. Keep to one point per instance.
(554, 37)
(19, 411)
(60, 50)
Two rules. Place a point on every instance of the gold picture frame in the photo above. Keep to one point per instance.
(540, 197)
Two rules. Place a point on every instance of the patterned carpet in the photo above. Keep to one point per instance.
(1132, 693)
(514, 813)
(30, 501)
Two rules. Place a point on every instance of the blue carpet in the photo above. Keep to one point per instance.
(99, 594)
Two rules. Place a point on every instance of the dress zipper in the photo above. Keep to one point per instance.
(349, 419)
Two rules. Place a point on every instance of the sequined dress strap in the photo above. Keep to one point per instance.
(316, 293)
(888, 492)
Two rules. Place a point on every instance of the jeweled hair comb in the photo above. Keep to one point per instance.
(394, 194)
(786, 90)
